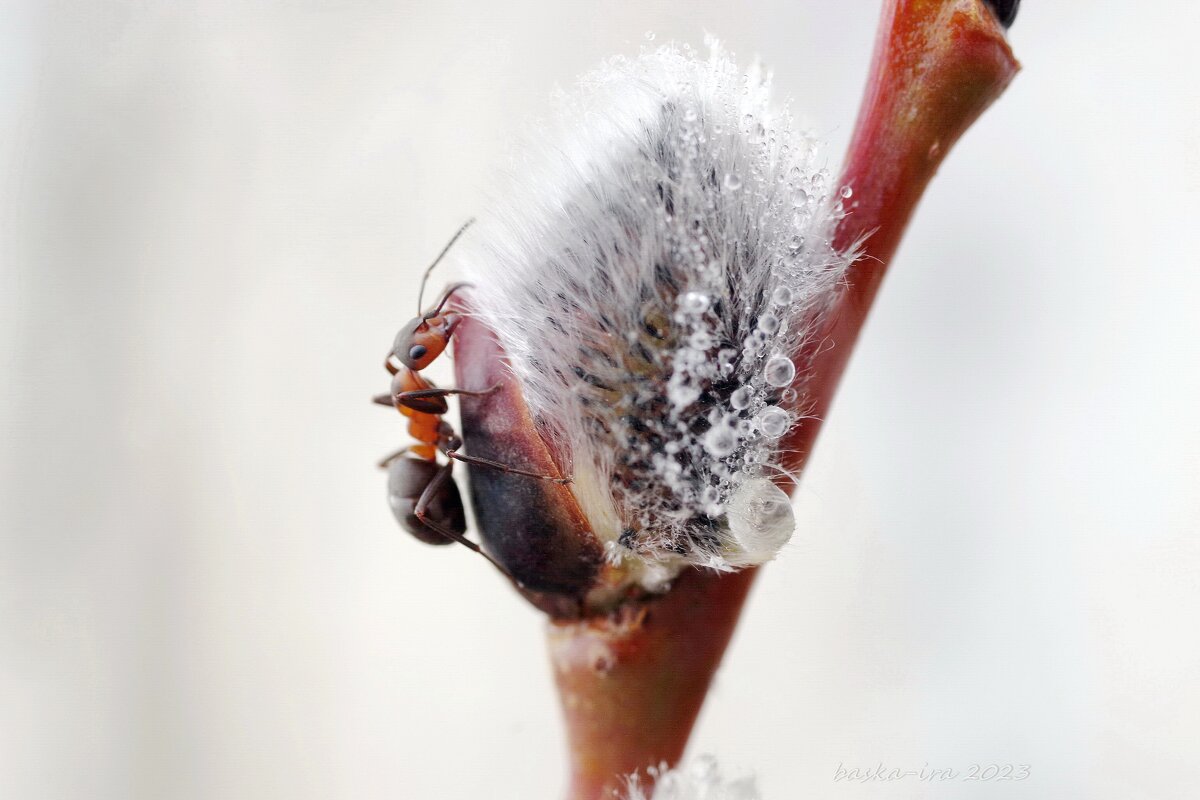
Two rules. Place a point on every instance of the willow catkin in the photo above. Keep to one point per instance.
(655, 265)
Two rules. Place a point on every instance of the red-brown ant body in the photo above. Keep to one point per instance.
(421, 491)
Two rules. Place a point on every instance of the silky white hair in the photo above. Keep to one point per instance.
(699, 780)
(654, 266)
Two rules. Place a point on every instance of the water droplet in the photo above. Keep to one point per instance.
(694, 302)
(779, 371)
(847, 192)
(800, 199)
(732, 182)
(796, 243)
(741, 397)
(782, 296)
(649, 36)
(761, 520)
(773, 422)
(789, 395)
(725, 359)
(752, 345)
(690, 115)
(768, 323)
(720, 441)
(718, 128)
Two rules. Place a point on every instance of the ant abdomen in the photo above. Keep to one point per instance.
(408, 479)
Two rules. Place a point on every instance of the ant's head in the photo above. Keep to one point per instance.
(419, 343)
(424, 338)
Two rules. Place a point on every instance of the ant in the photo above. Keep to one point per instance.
(422, 492)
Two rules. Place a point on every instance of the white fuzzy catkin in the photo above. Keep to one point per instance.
(660, 254)
(699, 780)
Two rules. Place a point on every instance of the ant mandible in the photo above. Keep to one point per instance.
(421, 491)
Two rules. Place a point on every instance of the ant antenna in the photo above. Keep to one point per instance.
(446, 249)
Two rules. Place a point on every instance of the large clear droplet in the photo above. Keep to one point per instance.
(733, 182)
(761, 520)
(741, 397)
(773, 422)
(779, 371)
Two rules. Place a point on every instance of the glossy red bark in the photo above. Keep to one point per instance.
(937, 65)
(631, 683)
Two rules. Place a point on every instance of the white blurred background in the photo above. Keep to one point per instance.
(213, 218)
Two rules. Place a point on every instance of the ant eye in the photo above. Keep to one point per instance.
(1005, 10)
(417, 352)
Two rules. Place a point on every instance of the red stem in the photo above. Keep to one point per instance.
(631, 684)
(938, 65)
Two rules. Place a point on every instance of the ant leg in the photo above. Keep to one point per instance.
(421, 394)
(422, 506)
(389, 366)
(383, 463)
(417, 393)
(392, 401)
(483, 462)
